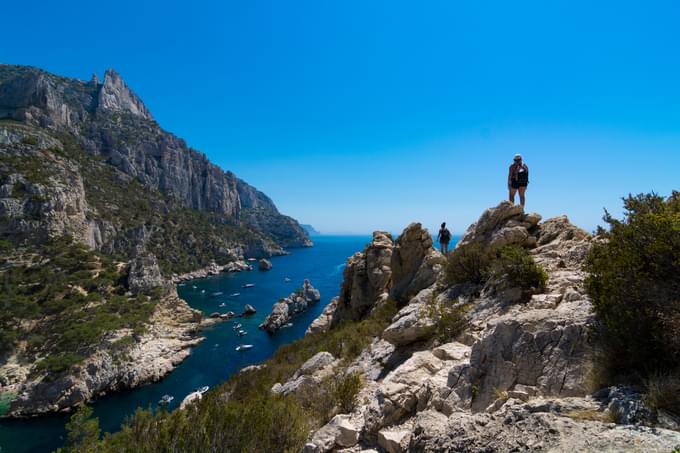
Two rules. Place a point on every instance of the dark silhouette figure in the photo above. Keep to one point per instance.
(444, 237)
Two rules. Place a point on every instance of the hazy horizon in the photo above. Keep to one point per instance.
(357, 117)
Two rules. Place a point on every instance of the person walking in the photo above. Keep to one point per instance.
(444, 237)
(518, 179)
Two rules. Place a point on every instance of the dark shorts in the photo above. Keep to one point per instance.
(517, 184)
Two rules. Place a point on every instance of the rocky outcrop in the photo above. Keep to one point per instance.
(114, 95)
(286, 308)
(212, 269)
(515, 379)
(264, 264)
(145, 275)
(415, 264)
(167, 341)
(309, 376)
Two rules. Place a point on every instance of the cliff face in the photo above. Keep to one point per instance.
(111, 123)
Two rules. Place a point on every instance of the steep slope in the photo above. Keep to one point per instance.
(99, 208)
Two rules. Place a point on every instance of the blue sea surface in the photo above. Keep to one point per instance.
(215, 359)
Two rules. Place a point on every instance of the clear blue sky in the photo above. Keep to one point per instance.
(362, 115)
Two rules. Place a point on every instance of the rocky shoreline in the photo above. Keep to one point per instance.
(173, 330)
(212, 269)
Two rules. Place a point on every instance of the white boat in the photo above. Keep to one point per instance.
(166, 399)
(194, 286)
(181, 284)
(202, 291)
(237, 326)
(244, 347)
(290, 324)
(203, 389)
(286, 280)
(252, 259)
(242, 333)
(249, 285)
(222, 305)
(219, 293)
(234, 294)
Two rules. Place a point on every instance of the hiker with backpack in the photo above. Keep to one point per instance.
(444, 237)
(518, 179)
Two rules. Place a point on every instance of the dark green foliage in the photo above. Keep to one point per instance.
(72, 297)
(469, 263)
(473, 263)
(244, 415)
(450, 321)
(29, 140)
(83, 432)
(634, 284)
(516, 265)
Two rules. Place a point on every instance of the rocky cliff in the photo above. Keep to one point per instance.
(515, 377)
(45, 114)
(99, 209)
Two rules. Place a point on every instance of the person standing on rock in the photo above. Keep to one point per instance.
(444, 237)
(518, 179)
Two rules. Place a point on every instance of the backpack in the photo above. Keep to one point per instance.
(522, 175)
(445, 235)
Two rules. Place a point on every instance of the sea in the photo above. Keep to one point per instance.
(215, 359)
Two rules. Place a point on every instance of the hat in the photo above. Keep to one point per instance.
(518, 157)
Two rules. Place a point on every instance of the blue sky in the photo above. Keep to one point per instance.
(357, 115)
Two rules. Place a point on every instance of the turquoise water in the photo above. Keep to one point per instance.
(215, 359)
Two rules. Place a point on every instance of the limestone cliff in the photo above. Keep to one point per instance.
(108, 122)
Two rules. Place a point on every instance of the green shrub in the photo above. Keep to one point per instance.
(468, 263)
(450, 321)
(29, 140)
(83, 432)
(517, 266)
(634, 284)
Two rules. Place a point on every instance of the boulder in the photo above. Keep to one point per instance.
(415, 264)
(249, 310)
(264, 264)
(394, 441)
(413, 322)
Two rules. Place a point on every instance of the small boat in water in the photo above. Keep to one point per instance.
(222, 305)
(234, 295)
(244, 347)
(290, 324)
(252, 259)
(249, 285)
(194, 286)
(166, 399)
(203, 389)
(237, 326)
(287, 280)
(242, 333)
(202, 291)
(219, 293)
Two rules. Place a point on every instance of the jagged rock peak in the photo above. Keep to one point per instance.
(95, 79)
(116, 95)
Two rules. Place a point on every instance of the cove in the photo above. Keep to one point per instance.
(215, 359)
